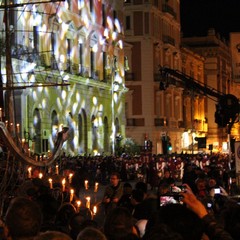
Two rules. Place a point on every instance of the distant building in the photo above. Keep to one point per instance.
(218, 75)
(173, 116)
(235, 84)
(152, 28)
(195, 122)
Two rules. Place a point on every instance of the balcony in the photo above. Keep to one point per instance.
(135, 122)
(160, 122)
(168, 40)
(84, 71)
(95, 74)
(168, 9)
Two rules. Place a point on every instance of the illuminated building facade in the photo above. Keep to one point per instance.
(79, 42)
(235, 84)
(153, 30)
(170, 114)
(218, 75)
(194, 104)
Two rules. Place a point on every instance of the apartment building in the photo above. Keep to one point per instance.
(152, 28)
(218, 76)
(174, 116)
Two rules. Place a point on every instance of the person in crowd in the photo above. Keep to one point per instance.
(230, 217)
(191, 220)
(90, 233)
(52, 235)
(213, 184)
(80, 220)
(125, 200)
(63, 217)
(210, 225)
(143, 208)
(138, 211)
(162, 232)
(49, 207)
(164, 189)
(119, 224)
(190, 176)
(167, 178)
(153, 175)
(113, 192)
(201, 188)
(234, 188)
(23, 219)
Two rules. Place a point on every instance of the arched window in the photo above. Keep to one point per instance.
(82, 132)
(94, 133)
(37, 131)
(106, 146)
(54, 125)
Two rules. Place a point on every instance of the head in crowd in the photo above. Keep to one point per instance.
(231, 219)
(179, 219)
(52, 235)
(137, 196)
(90, 233)
(114, 179)
(63, 217)
(142, 186)
(23, 218)
(127, 188)
(162, 232)
(79, 220)
(163, 188)
(118, 224)
(201, 187)
(49, 207)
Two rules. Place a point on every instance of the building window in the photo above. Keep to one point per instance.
(128, 22)
(104, 65)
(36, 38)
(146, 22)
(103, 15)
(80, 6)
(53, 42)
(114, 18)
(69, 4)
(93, 65)
(91, 5)
(81, 58)
(69, 55)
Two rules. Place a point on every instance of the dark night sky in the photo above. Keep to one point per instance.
(197, 16)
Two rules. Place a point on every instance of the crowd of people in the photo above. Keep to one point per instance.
(146, 197)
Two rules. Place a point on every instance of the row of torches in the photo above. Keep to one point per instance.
(78, 202)
(93, 208)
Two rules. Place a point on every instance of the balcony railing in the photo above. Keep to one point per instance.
(168, 40)
(160, 122)
(168, 9)
(135, 122)
(95, 74)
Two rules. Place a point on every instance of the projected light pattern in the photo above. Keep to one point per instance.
(74, 46)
